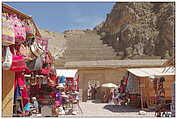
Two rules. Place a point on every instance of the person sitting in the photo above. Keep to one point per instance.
(35, 105)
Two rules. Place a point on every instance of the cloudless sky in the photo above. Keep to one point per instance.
(61, 16)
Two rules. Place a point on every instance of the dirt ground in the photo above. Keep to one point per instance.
(94, 109)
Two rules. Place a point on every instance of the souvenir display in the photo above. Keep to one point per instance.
(8, 34)
(19, 29)
(29, 28)
(35, 76)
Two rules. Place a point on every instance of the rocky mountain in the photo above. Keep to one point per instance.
(140, 29)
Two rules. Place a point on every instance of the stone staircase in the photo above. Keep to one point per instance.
(86, 46)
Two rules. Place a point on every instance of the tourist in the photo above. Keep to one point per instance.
(115, 96)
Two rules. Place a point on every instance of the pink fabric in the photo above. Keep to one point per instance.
(20, 33)
(57, 103)
(45, 71)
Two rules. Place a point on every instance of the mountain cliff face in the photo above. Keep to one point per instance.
(140, 29)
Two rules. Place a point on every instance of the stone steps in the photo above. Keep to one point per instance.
(81, 41)
(87, 58)
(95, 52)
(86, 46)
(89, 50)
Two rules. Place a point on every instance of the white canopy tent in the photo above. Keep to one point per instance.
(67, 72)
(147, 72)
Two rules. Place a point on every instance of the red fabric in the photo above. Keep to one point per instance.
(25, 96)
(18, 63)
(53, 77)
(122, 88)
(126, 80)
(52, 94)
(70, 82)
(19, 78)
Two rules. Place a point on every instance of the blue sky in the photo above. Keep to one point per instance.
(61, 16)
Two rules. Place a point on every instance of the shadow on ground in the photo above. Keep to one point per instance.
(118, 108)
(96, 101)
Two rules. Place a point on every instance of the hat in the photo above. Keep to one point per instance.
(64, 95)
(34, 98)
(60, 85)
(76, 92)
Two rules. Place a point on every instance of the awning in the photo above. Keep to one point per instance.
(146, 72)
(67, 72)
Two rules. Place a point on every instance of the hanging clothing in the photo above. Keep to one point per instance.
(17, 93)
(25, 96)
(27, 107)
(132, 85)
(62, 79)
(58, 100)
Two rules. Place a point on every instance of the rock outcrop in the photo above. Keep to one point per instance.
(56, 43)
(140, 29)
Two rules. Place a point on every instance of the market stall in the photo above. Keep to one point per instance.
(26, 58)
(152, 83)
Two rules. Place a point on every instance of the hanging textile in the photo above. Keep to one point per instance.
(8, 35)
(38, 64)
(20, 80)
(20, 33)
(26, 52)
(43, 42)
(30, 64)
(29, 28)
(62, 79)
(36, 49)
(17, 93)
(8, 59)
(25, 96)
(132, 85)
(18, 62)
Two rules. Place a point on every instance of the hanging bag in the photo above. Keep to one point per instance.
(8, 59)
(8, 35)
(18, 25)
